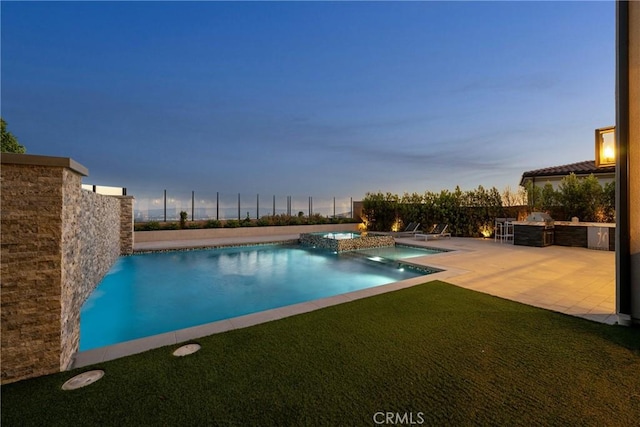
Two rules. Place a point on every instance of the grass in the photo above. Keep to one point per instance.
(442, 353)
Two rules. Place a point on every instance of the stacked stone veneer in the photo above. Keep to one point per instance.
(58, 241)
(340, 245)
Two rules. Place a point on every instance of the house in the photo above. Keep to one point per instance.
(554, 174)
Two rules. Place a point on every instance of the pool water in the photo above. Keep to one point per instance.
(398, 252)
(149, 294)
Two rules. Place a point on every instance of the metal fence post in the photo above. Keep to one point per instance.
(257, 206)
(238, 206)
(193, 195)
(217, 205)
(274, 205)
(165, 205)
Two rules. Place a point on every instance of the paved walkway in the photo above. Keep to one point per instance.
(575, 281)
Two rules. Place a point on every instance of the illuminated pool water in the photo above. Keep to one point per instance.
(340, 236)
(149, 294)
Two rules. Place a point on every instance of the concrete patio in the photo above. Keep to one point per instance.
(575, 281)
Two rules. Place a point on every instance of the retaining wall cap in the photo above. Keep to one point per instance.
(34, 160)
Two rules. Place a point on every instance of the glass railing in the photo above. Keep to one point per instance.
(226, 206)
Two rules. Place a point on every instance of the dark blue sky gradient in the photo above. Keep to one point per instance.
(301, 98)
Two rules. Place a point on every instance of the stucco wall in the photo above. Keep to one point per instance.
(58, 241)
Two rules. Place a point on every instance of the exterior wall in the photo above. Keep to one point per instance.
(71, 262)
(634, 155)
(31, 198)
(126, 224)
(58, 241)
(91, 245)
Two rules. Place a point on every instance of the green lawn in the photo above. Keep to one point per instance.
(442, 353)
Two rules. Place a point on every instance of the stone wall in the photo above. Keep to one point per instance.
(340, 245)
(31, 200)
(126, 224)
(91, 245)
(58, 241)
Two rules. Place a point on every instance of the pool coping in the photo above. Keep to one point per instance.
(140, 345)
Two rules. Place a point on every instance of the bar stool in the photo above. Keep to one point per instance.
(508, 231)
(499, 229)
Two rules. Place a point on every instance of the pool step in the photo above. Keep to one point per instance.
(370, 259)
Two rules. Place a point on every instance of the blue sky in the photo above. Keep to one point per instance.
(308, 98)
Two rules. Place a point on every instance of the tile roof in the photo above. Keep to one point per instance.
(581, 168)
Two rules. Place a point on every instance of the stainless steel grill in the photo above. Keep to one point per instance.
(541, 217)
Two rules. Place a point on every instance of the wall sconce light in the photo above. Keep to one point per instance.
(606, 147)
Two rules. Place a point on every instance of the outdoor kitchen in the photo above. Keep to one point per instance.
(536, 230)
(540, 230)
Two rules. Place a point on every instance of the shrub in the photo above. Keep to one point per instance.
(151, 225)
(171, 226)
(609, 202)
(232, 223)
(183, 219)
(212, 223)
(380, 211)
(467, 213)
(246, 222)
(316, 219)
(265, 221)
(580, 197)
(281, 219)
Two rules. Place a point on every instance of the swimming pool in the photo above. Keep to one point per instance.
(153, 293)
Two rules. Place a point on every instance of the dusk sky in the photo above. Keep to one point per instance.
(308, 98)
